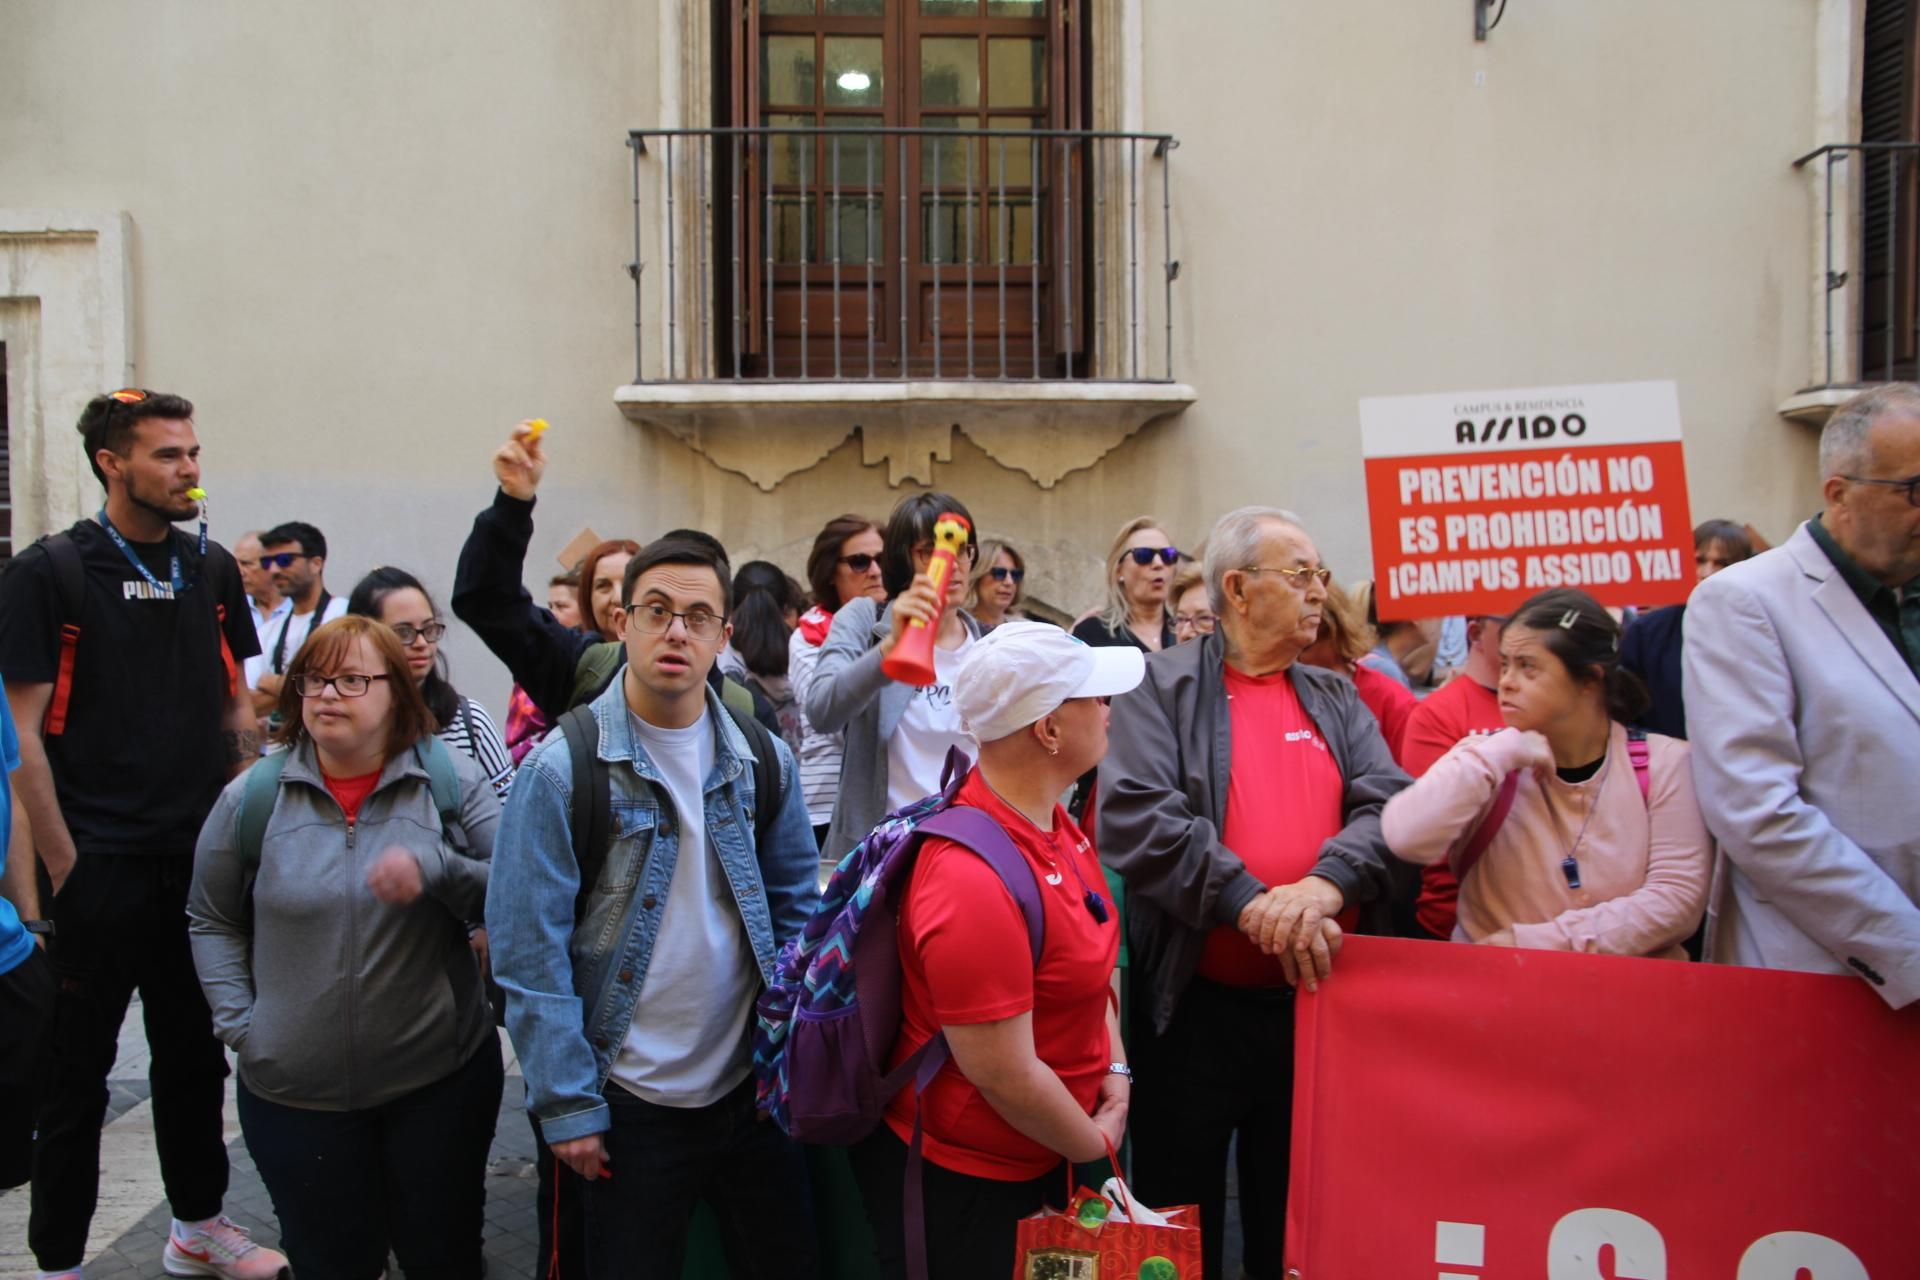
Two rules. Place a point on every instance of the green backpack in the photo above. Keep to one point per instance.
(262, 790)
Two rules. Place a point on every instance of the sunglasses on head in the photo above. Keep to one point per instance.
(859, 563)
(280, 560)
(1000, 573)
(1146, 555)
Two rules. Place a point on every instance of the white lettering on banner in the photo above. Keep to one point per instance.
(1555, 527)
(1534, 573)
(1503, 481)
(1640, 1252)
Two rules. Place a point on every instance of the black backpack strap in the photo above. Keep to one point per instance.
(768, 795)
(592, 816)
(70, 583)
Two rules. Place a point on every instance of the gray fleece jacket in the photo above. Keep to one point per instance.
(331, 999)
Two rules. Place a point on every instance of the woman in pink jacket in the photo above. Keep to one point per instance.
(1596, 843)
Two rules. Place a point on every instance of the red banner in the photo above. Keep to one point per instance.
(1485, 1113)
(1478, 500)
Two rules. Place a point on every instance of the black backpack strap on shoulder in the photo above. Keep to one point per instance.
(70, 582)
(767, 793)
(592, 815)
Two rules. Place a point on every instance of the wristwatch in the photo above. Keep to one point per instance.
(1120, 1069)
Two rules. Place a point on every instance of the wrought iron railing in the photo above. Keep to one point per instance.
(869, 253)
(1871, 284)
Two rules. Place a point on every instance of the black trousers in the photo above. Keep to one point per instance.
(121, 926)
(26, 1010)
(970, 1221)
(1224, 1067)
(666, 1159)
(410, 1175)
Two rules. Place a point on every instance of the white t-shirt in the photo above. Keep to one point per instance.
(687, 1045)
(930, 724)
(298, 626)
(265, 627)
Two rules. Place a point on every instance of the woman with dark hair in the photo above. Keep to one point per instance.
(896, 736)
(1654, 641)
(843, 565)
(327, 931)
(1340, 646)
(766, 607)
(601, 572)
(398, 599)
(1568, 832)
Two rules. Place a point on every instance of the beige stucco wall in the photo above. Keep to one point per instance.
(366, 237)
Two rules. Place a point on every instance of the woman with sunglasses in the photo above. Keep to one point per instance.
(843, 565)
(995, 587)
(1568, 832)
(398, 599)
(334, 956)
(897, 736)
(1139, 571)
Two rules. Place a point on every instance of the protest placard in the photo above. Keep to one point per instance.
(1478, 499)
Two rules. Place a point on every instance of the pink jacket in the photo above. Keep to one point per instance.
(1644, 864)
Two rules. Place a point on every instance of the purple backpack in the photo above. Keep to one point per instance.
(827, 1025)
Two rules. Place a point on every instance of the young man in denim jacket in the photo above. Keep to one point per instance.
(631, 1022)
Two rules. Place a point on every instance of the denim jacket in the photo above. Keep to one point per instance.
(571, 988)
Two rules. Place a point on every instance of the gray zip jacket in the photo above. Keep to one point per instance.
(331, 999)
(849, 691)
(1163, 803)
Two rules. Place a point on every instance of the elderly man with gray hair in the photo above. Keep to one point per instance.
(1802, 679)
(1240, 800)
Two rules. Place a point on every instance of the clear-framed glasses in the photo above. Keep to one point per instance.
(1202, 621)
(430, 632)
(1911, 484)
(657, 619)
(347, 686)
(1298, 578)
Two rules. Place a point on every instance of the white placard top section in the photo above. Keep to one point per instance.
(1464, 423)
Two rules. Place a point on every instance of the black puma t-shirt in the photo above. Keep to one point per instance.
(141, 761)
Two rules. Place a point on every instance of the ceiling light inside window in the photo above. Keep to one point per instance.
(855, 81)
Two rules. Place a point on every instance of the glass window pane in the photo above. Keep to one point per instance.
(793, 154)
(857, 214)
(950, 8)
(1016, 8)
(1016, 153)
(950, 230)
(856, 71)
(949, 71)
(1010, 231)
(786, 70)
(856, 8)
(947, 161)
(863, 156)
(787, 6)
(1016, 72)
(793, 227)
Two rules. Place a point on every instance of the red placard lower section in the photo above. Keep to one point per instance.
(1479, 534)
(1485, 1112)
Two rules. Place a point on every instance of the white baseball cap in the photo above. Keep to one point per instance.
(1021, 671)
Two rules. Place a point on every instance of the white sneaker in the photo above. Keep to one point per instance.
(223, 1249)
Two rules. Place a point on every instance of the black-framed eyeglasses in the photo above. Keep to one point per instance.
(1147, 555)
(1911, 484)
(280, 560)
(347, 686)
(430, 632)
(1000, 573)
(860, 562)
(657, 619)
(1297, 578)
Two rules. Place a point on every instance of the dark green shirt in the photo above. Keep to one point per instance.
(1897, 612)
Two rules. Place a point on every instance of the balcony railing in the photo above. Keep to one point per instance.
(1870, 291)
(867, 254)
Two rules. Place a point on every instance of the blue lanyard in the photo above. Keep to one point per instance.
(179, 585)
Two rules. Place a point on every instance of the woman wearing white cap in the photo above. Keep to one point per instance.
(1038, 1074)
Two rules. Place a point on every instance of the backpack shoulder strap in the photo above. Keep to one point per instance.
(257, 797)
(595, 670)
(1638, 753)
(70, 585)
(442, 778)
(736, 695)
(965, 825)
(767, 793)
(592, 816)
(1489, 827)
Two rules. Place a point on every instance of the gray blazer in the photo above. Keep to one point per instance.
(1805, 725)
(849, 691)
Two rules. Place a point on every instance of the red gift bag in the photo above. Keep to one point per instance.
(1089, 1242)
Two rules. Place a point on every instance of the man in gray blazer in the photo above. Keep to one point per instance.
(1802, 678)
